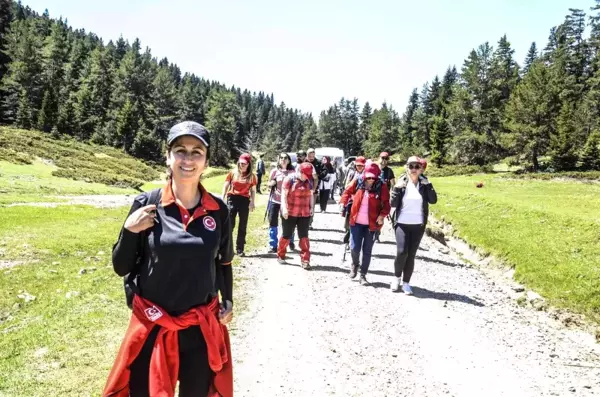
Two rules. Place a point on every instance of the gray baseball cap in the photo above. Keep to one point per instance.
(188, 128)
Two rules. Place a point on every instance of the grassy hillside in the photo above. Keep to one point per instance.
(547, 229)
(75, 160)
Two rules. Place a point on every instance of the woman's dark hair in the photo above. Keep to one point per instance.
(289, 167)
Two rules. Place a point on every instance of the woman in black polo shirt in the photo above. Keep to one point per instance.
(181, 248)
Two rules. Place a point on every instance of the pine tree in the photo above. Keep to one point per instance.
(45, 115)
(532, 55)
(5, 19)
(220, 121)
(440, 136)
(24, 116)
(590, 158)
(147, 144)
(531, 114)
(408, 129)
(562, 146)
(127, 125)
(365, 123)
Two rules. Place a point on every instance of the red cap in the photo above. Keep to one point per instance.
(306, 169)
(384, 154)
(360, 160)
(372, 171)
(245, 158)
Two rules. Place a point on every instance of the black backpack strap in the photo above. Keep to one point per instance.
(130, 281)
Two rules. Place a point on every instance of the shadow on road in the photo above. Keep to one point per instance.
(326, 240)
(440, 261)
(424, 293)
(327, 230)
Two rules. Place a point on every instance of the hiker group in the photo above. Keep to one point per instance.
(175, 250)
(368, 191)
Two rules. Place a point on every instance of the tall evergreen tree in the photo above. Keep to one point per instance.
(532, 55)
(220, 121)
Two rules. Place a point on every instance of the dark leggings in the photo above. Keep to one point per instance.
(291, 223)
(274, 209)
(195, 375)
(239, 205)
(408, 238)
(323, 199)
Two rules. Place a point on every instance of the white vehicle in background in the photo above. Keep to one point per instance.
(336, 155)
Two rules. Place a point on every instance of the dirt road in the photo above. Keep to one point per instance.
(318, 333)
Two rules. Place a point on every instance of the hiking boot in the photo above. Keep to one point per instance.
(395, 284)
(240, 253)
(406, 288)
(281, 261)
(363, 280)
(305, 265)
(272, 250)
(353, 271)
(292, 246)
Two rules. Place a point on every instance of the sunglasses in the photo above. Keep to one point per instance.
(385, 158)
(283, 158)
(414, 166)
(359, 165)
(369, 179)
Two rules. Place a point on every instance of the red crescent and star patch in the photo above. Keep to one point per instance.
(209, 223)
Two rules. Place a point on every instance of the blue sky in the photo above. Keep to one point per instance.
(311, 53)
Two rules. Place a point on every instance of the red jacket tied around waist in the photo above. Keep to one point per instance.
(379, 203)
(164, 365)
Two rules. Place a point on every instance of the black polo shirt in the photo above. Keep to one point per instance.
(186, 256)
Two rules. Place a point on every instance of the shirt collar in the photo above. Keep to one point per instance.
(207, 201)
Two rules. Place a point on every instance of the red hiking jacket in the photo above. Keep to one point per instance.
(379, 203)
(164, 364)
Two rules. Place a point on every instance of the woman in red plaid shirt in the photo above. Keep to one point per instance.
(297, 203)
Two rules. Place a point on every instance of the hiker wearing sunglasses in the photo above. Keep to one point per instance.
(284, 168)
(370, 205)
(411, 197)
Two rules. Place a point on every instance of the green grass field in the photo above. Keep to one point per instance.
(64, 342)
(548, 230)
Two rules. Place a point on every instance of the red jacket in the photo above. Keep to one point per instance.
(379, 203)
(164, 364)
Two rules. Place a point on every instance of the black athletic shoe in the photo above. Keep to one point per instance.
(240, 253)
(353, 271)
(272, 250)
(292, 246)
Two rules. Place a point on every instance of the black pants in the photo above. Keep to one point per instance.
(408, 238)
(323, 199)
(274, 209)
(239, 205)
(291, 223)
(258, 182)
(195, 375)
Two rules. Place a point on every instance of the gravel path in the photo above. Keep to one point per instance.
(318, 333)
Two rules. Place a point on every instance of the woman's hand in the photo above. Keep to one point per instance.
(141, 219)
(226, 313)
(284, 213)
(380, 220)
(252, 205)
(272, 183)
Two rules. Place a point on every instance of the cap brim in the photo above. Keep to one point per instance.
(370, 175)
(186, 133)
